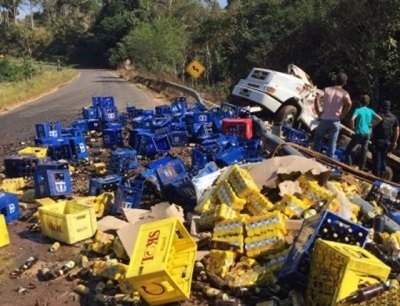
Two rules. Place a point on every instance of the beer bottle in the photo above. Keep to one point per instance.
(364, 294)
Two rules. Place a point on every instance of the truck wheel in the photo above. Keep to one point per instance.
(287, 115)
(388, 173)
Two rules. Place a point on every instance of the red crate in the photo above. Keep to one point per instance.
(241, 127)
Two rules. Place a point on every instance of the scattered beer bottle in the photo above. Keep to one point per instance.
(364, 294)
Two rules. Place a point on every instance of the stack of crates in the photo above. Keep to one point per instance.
(162, 262)
(122, 160)
(108, 183)
(128, 196)
(68, 221)
(325, 225)
(9, 206)
(241, 127)
(20, 165)
(77, 142)
(52, 179)
(295, 136)
(338, 270)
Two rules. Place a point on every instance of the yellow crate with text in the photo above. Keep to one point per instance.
(258, 204)
(337, 271)
(39, 152)
(260, 245)
(68, 222)
(259, 225)
(4, 238)
(13, 185)
(162, 262)
(232, 227)
(227, 196)
(219, 262)
(225, 212)
(292, 206)
(241, 182)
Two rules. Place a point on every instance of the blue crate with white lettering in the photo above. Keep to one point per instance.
(201, 117)
(78, 148)
(122, 160)
(100, 101)
(109, 113)
(128, 196)
(163, 110)
(81, 124)
(52, 179)
(20, 165)
(113, 137)
(229, 156)
(9, 206)
(94, 125)
(325, 225)
(178, 138)
(48, 129)
(233, 111)
(90, 112)
(109, 183)
(201, 130)
(171, 172)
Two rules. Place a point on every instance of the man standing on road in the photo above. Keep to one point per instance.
(362, 122)
(336, 103)
(384, 138)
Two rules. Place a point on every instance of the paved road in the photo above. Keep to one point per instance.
(66, 103)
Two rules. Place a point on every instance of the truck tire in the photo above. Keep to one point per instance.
(287, 116)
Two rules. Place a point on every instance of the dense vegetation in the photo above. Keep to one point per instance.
(360, 37)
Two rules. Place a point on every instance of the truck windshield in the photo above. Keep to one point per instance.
(259, 74)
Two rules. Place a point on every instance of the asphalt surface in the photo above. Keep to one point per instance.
(66, 103)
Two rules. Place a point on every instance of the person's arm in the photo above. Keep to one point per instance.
(352, 122)
(377, 119)
(395, 137)
(346, 106)
(317, 101)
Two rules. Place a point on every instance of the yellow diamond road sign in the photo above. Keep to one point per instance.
(195, 69)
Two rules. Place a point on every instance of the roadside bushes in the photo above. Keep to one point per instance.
(13, 69)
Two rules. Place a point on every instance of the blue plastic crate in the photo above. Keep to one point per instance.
(122, 160)
(71, 132)
(201, 117)
(208, 168)
(112, 137)
(109, 113)
(78, 148)
(163, 110)
(296, 267)
(178, 126)
(162, 131)
(59, 151)
(20, 166)
(48, 129)
(94, 125)
(154, 164)
(173, 171)
(198, 107)
(295, 136)
(131, 111)
(123, 119)
(90, 113)
(103, 101)
(126, 197)
(160, 123)
(153, 145)
(178, 138)
(179, 106)
(52, 179)
(230, 156)
(339, 152)
(81, 124)
(9, 206)
(48, 141)
(109, 183)
(200, 158)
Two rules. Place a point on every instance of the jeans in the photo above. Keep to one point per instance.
(379, 155)
(355, 140)
(330, 128)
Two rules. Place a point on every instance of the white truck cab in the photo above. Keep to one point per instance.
(288, 97)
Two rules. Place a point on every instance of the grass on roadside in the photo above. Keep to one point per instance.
(16, 92)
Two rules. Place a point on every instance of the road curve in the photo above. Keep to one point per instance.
(66, 103)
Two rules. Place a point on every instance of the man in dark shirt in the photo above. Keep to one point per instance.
(384, 138)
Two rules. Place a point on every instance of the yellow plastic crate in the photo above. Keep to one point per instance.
(39, 152)
(257, 204)
(260, 225)
(241, 182)
(227, 196)
(13, 185)
(4, 239)
(68, 222)
(337, 269)
(162, 262)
